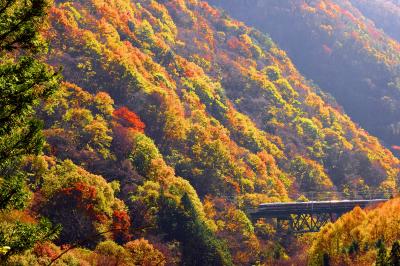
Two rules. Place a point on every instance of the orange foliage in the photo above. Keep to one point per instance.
(363, 227)
(209, 10)
(185, 96)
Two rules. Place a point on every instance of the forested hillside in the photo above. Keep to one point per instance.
(172, 120)
(361, 237)
(384, 13)
(334, 44)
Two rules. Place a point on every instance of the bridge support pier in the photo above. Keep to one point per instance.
(304, 223)
(308, 222)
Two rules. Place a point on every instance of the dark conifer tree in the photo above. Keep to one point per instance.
(199, 244)
(24, 82)
(395, 254)
(326, 260)
(381, 257)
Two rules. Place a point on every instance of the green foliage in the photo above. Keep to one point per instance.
(310, 176)
(381, 257)
(20, 236)
(91, 203)
(226, 116)
(273, 73)
(80, 124)
(214, 103)
(337, 45)
(148, 193)
(354, 248)
(286, 90)
(146, 202)
(14, 193)
(211, 166)
(145, 32)
(24, 82)
(112, 252)
(144, 151)
(200, 246)
(307, 128)
(19, 24)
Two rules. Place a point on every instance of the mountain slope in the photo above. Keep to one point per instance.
(172, 120)
(187, 73)
(331, 42)
(384, 13)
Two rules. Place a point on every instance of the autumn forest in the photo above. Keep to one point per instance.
(146, 132)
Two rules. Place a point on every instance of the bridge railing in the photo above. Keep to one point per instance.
(335, 195)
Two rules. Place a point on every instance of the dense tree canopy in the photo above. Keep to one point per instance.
(173, 120)
(341, 46)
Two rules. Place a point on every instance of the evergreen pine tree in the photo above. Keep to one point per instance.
(381, 258)
(395, 254)
(326, 259)
(24, 82)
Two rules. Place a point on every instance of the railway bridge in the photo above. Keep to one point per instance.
(304, 217)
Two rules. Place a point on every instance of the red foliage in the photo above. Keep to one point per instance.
(327, 49)
(355, 35)
(121, 225)
(236, 44)
(189, 69)
(84, 196)
(129, 119)
(373, 31)
(395, 147)
(80, 191)
(45, 250)
(233, 43)
(349, 16)
(209, 10)
(189, 73)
